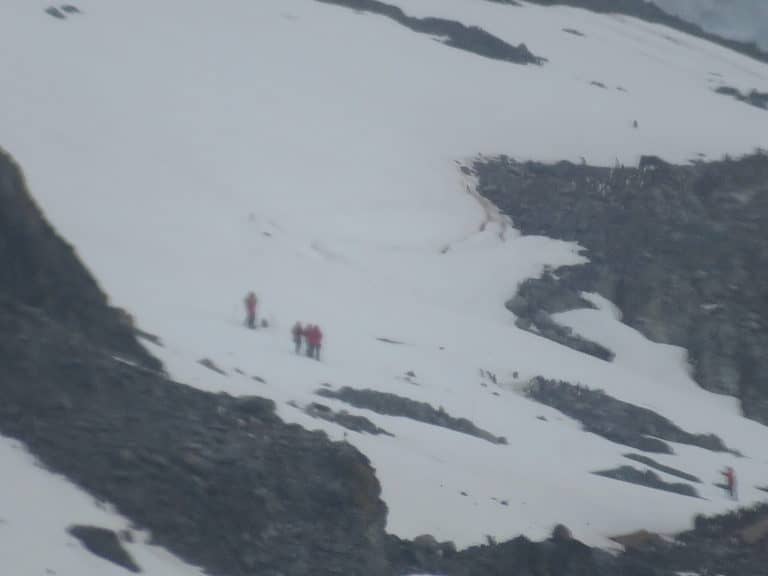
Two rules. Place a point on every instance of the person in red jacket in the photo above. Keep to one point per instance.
(318, 341)
(298, 336)
(314, 337)
(730, 481)
(251, 302)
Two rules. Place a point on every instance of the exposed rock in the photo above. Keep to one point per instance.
(431, 547)
(615, 420)
(42, 271)
(172, 458)
(256, 407)
(753, 98)
(648, 479)
(680, 250)
(390, 341)
(105, 544)
(640, 540)
(153, 338)
(561, 533)
(455, 34)
(662, 468)
(349, 421)
(519, 557)
(211, 365)
(538, 298)
(715, 546)
(394, 405)
(574, 32)
(55, 12)
(756, 532)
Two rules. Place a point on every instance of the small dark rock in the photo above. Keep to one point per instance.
(211, 365)
(351, 422)
(55, 12)
(394, 405)
(255, 406)
(660, 467)
(648, 479)
(105, 544)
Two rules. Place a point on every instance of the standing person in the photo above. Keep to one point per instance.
(317, 341)
(298, 335)
(251, 303)
(730, 481)
(309, 337)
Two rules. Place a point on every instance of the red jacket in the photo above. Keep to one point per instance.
(250, 303)
(314, 335)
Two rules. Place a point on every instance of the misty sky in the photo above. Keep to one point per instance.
(738, 19)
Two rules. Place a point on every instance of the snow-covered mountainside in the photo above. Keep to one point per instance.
(192, 151)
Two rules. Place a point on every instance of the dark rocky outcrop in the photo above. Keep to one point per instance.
(615, 420)
(212, 366)
(714, 546)
(343, 418)
(455, 34)
(55, 12)
(560, 555)
(681, 250)
(537, 299)
(662, 468)
(649, 479)
(394, 405)
(218, 480)
(105, 544)
(753, 98)
(42, 271)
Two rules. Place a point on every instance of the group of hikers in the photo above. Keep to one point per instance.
(309, 336)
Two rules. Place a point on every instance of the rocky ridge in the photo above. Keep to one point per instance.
(680, 250)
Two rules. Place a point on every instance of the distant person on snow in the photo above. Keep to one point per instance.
(298, 336)
(730, 481)
(309, 338)
(314, 337)
(251, 302)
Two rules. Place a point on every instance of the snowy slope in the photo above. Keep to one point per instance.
(193, 150)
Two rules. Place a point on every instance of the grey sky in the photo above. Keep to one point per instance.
(738, 19)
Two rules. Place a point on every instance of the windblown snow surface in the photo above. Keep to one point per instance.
(192, 150)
